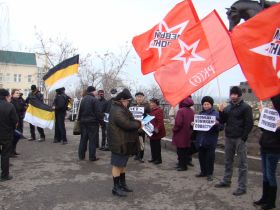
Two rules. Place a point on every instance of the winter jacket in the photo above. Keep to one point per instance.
(182, 129)
(270, 142)
(60, 102)
(8, 121)
(108, 105)
(238, 119)
(35, 95)
(122, 130)
(103, 104)
(209, 138)
(20, 108)
(158, 123)
(90, 112)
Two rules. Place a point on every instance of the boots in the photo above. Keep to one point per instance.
(263, 199)
(117, 189)
(271, 198)
(123, 185)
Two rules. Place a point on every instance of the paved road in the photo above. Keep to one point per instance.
(49, 176)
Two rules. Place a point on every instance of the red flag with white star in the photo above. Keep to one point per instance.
(151, 45)
(200, 55)
(257, 46)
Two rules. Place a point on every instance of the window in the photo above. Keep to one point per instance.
(7, 77)
(29, 78)
(19, 77)
(1, 77)
(243, 90)
(15, 77)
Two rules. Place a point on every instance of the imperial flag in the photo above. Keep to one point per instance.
(61, 74)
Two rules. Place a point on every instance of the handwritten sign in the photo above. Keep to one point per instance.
(203, 122)
(137, 112)
(149, 129)
(269, 119)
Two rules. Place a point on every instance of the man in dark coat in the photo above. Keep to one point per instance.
(102, 103)
(8, 122)
(90, 117)
(35, 94)
(139, 99)
(238, 120)
(60, 106)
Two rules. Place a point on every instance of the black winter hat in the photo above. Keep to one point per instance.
(91, 89)
(139, 94)
(124, 95)
(59, 90)
(33, 87)
(4, 92)
(236, 90)
(208, 99)
(113, 91)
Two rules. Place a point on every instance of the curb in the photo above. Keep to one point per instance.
(254, 163)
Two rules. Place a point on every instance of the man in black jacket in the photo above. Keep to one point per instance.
(35, 94)
(238, 119)
(90, 117)
(60, 106)
(8, 122)
(102, 103)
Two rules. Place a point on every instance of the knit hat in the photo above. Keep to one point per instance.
(91, 89)
(139, 94)
(236, 90)
(4, 92)
(59, 90)
(33, 87)
(207, 99)
(154, 100)
(113, 91)
(124, 95)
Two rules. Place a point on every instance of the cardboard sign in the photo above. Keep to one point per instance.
(203, 122)
(269, 119)
(137, 112)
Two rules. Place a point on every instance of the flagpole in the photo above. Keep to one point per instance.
(219, 88)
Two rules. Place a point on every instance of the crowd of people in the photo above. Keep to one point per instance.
(124, 135)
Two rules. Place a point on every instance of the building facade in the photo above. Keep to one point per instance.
(18, 70)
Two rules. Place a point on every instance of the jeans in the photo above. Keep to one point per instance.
(40, 130)
(60, 132)
(90, 135)
(269, 166)
(5, 158)
(232, 146)
(206, 160)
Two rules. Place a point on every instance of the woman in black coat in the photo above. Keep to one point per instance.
(270, 154)
(122, 139)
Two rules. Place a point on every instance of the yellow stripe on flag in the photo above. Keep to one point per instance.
(70, 70)
(40, 113)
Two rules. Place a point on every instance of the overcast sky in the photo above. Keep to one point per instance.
(97, 26)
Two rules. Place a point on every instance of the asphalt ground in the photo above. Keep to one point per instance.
(50, 176)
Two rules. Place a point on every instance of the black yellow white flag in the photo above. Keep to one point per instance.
(39, 114)
(62, 74)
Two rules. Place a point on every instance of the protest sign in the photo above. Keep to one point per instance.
(137, 112)
(203, 122)
(269, 119)
(148, 127)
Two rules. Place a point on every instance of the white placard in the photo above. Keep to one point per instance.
(203, 122)
(106, 117)
(149, 129)
(269, 119)
(137, 112)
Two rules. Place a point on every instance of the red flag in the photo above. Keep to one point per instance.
(151, 45)
(205, 52)
(257, 46)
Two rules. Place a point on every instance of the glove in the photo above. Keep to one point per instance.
(244, 138)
